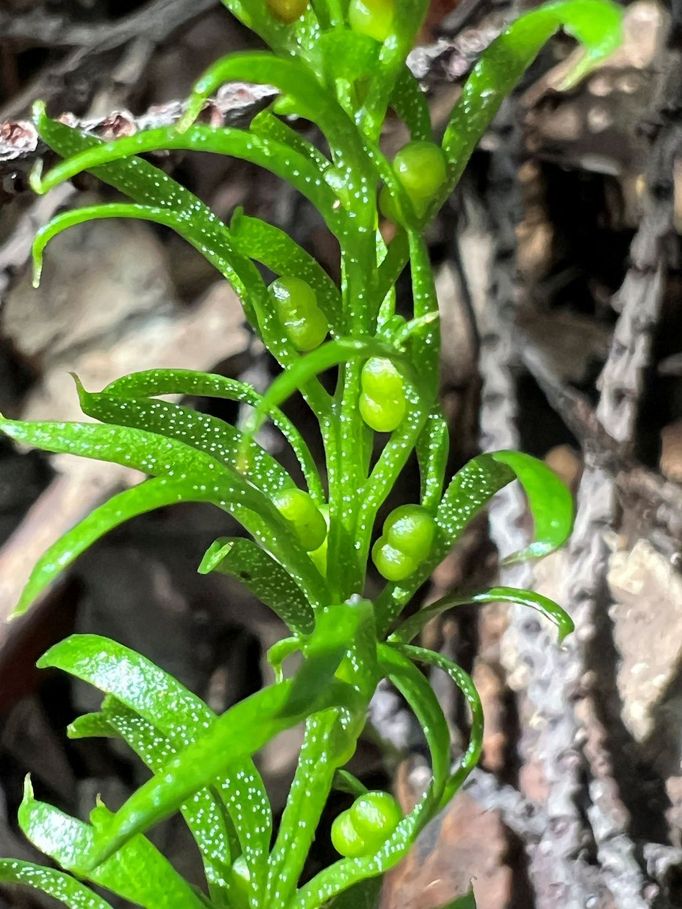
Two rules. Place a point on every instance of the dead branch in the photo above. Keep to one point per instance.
(155, 22)
(162, 17)
(20, 146)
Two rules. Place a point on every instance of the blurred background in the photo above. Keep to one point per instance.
(558, 270)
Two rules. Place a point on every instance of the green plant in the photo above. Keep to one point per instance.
(306, 553)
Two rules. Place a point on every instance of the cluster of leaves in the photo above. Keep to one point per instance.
(305, 554)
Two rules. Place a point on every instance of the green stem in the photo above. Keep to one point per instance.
(307, 797)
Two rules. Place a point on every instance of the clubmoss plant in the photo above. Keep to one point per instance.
(305, 552)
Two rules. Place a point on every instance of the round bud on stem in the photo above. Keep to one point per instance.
(421, 169)
(300, 511)
(382, 402)
(406, 541)
(366, 825)
(296, 305)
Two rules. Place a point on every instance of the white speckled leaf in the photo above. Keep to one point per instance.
(53, 883)
(137, 872)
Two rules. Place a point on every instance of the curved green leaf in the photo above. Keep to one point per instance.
(396, 663)
(299, 83)
(410, 104)
(325, 357)
(308, 794)
(267, 153)
(268, 124)
(203, 813)
(52, 883)
(138, 872)
(234, 736)
(549, 500)
(181, 717)
(465, 683)
(146, 497)
(551, 610)
(275, 249)
(153, 382)
(264, 577)
(177, 221)
(597, 24)
(213, 481)
(150, 186)
(433, 446)
(204, 432)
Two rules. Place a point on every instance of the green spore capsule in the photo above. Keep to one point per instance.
(304, 322)
(422, 170)
(411, 529)
(375, 816)
(304, 516)
(372, 17)
(366, 825)
(287, 10)
(406, 541)
(382, 401)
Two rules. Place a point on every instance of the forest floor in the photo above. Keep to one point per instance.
(559, 280)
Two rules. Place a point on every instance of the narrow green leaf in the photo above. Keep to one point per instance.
(549, 500)
(396, 663)
(213, 481)
(137, 872)
(410, 104)
(551, 610)
(265, 578)
(218, 256)
(275, 249)
(141, 499)
(267, 153)
(178, 715)
(392, 266)
(204, 432)
(597, 24)
(465, 683)
(325, 357)
(232, 737)
(433, 446)
(268, 124)
(346, 782)
(52, 883)
(307, 797)
(312, 101)
(203, 813)
(150, 186)
(155, 382)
